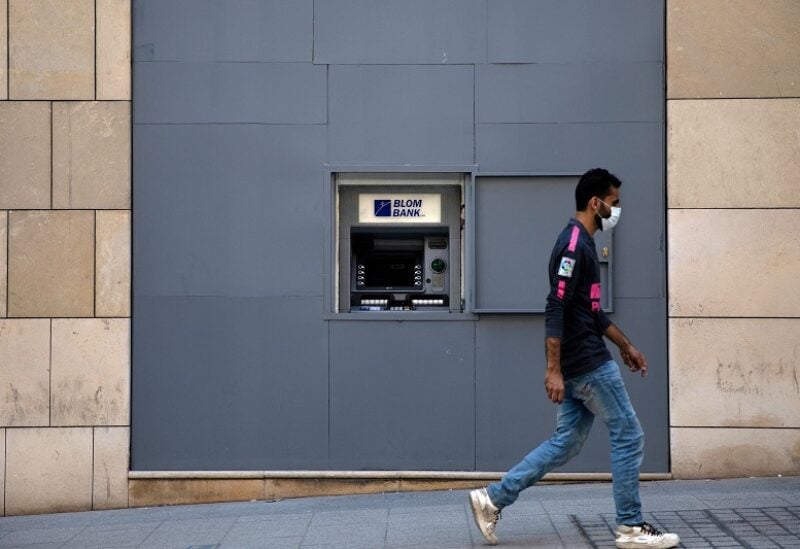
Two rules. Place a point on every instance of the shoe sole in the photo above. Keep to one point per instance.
(633, 545)
(476, 509)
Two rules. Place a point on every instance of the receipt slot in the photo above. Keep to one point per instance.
(399, 248)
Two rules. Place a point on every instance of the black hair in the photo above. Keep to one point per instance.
(595, 182)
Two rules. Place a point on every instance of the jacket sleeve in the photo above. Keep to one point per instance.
(564, 274)
(603, 321)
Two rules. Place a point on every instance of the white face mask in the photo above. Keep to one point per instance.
(610, 222)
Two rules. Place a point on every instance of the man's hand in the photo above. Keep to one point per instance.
(634, 360)
(554, 385)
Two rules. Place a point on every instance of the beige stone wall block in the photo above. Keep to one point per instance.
(113, 49)
(24, 372)
(721, 453)
(789, 82)
(734, 263)
(732, 48)
(111, 459)
(420, 485)
(277, 488)
(3, 262)
(735, 372)
(90, 372)
(51, 52)
(113, 263)
(24, 154)
(149, 492)
(733, 153)
(51, 264)
(92, 155)
(2, 472)
(48, 470)
(3, 53)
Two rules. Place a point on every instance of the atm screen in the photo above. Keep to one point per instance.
(389, 269)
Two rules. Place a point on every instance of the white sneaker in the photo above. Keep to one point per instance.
(485, 513)
(644, 535)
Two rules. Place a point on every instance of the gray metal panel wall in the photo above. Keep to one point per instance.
(401, 114)
(402, 395)
(559, 93)
(513, 414)
(239, 105)
(633, 151)
(245, 93)
(515, 219)
(575, 31)
(233, 30)
(407, 32)
(224, 209)
(220, 383)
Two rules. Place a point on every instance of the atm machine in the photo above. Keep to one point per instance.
(399, 247)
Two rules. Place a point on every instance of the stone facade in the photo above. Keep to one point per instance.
(733, 171)
(733, 163)
(65, 238)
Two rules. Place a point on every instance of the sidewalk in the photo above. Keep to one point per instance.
(755, 513)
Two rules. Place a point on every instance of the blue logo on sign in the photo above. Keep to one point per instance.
(383, 208)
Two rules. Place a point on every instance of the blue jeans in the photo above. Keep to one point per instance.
(599, 393)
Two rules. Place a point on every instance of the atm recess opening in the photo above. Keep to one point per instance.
(399, 244)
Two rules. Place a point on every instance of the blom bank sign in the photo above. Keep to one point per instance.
(399, 208)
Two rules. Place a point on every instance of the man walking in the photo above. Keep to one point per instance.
(582, 377)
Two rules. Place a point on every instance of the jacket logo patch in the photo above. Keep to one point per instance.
(566, 267)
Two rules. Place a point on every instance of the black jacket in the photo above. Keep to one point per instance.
(573, 310)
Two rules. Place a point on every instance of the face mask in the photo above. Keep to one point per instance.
(611, 221)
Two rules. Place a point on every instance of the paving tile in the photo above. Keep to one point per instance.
(40, 535)
(710, 528)
(370, 534)
(116, 535)
(334, 518)
(181, 533)
(265, 533)
(659, 503)
(410, 533)
(46, 545)
(276, 527)
(425, 509)
(525, 526)
(439, 521)
(350, 545)
(255, 542)
(430, 519)
(284, 518)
